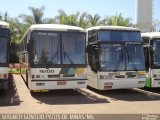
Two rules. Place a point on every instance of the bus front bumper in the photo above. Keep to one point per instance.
(3, 84)
(57, 84)
(120, 84)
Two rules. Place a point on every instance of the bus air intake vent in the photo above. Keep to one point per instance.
(53, 76)
(120, 76)
(68, 75)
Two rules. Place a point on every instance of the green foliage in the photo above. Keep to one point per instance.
(118, 20)
(35, 18)
(83, 20)
(156, 26)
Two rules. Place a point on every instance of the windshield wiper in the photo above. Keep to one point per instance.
(52, 58)
(119, 61)
(130, 59)
(66, 54)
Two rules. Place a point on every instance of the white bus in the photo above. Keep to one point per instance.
(4, 53)
(152, 58)
(55, 57)
(116, 58)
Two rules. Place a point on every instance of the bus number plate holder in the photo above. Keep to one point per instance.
(61, 82)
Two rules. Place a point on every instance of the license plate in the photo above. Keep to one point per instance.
(61, 82)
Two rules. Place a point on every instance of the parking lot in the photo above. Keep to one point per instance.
(18, 99)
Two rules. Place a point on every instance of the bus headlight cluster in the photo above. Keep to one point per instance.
(141, 74)
(37, 76)
(3, 75)
(154, 75)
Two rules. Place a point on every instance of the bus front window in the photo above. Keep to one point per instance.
(135, 57)
(3, 50)
(4, 34)
(46, 48)
(112, 58)
(156, 53)
(73, 48)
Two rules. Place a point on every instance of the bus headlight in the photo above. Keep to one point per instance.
(154, 75)
(141, 74)
(3, 75)
(33, 76)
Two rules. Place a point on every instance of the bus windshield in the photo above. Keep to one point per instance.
(73, 48)
(118, 57)
(3, 50)
(4, 36)
(119, 35)
(156, 52)
(46, 47)
(112, 58)
(59, 48)
(135, 57)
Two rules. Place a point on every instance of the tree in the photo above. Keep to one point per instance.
(76, 19)
(83, 20)
(94, 20)
(156, 26)
(61, 18)
(118, 20)
(36, 17)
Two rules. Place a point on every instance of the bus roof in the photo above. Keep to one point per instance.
(151, 35)
(4, 24)
(112, 28)
(55, 27)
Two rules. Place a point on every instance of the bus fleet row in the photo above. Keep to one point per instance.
(55, 56)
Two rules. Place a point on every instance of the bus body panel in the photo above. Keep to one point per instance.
(4, 78)
(57, 78)
(52, 85)
(55, 57)
(96, 82)
(4, 54)
(148, 82)
(151, 44)
(155, 80)
(115, 58)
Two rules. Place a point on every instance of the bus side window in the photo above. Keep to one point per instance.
(92, 36)
(94, 58)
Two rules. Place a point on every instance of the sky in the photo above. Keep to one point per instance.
(102, 7)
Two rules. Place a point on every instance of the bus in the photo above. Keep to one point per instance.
(4, 54)
(53, 56)
(115, 58)
(151, 42)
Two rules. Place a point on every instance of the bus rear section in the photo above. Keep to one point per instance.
(4, 49)
(55, 57)
(151, 46)
(116, 58)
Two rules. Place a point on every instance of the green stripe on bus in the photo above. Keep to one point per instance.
(148, 82)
